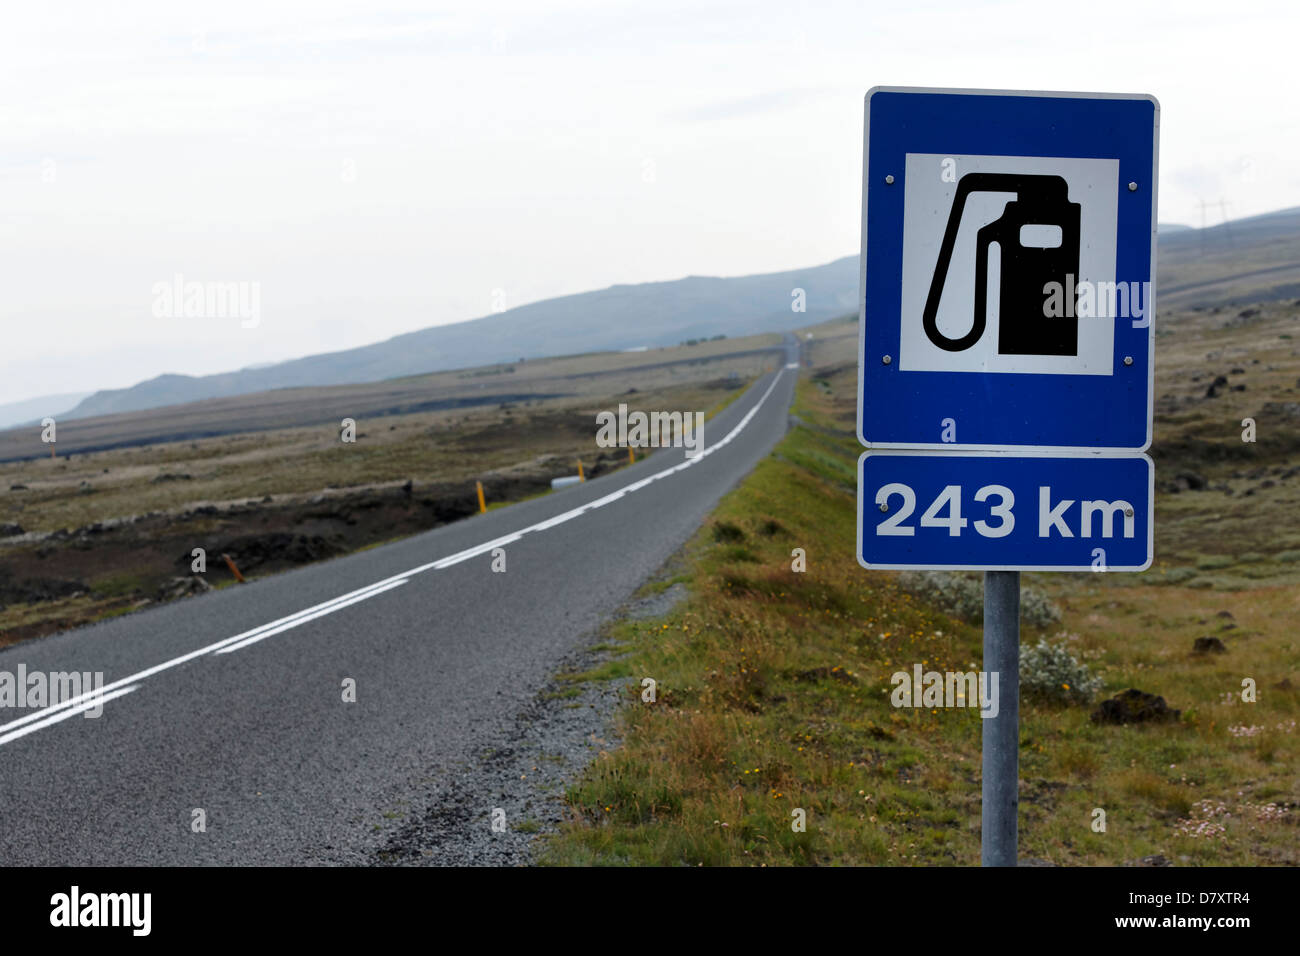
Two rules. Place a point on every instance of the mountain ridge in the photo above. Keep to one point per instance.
(1258, 255)
(617, 317)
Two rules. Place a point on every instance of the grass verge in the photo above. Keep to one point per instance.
(772, 702)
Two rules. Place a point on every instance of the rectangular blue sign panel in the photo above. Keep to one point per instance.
(1008, 256)
(1011, 512)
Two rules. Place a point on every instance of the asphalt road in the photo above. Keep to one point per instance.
(233, 701)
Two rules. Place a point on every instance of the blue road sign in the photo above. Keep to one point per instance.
(1005, 512)
(1008, 254)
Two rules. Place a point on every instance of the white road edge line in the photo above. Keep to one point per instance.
(311, 617)
(149, 672)
(64, 714)
(73, 706)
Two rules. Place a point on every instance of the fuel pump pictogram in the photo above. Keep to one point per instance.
(1024, 328)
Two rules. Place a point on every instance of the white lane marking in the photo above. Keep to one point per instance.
(149, 672)
(64, 713)
(473, 552)
(69, 707)
(303, 620)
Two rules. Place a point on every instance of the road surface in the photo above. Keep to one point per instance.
(232, 701)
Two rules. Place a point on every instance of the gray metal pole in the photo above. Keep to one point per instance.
(1001, 734)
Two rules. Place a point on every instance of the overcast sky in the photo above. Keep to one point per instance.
(383, 166)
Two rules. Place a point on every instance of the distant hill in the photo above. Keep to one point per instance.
(1240, 261)
(34, 409)
(1235, 262)
(620, 317)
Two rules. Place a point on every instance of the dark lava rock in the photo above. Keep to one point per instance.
(1208, 645)
(1133, 706)
(1184, 481)
(1156, 860)
(254, 550)
(32, 590)
(9, 530)
(17, 487)
(183, 587)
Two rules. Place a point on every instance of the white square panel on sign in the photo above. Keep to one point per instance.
(1019, 228)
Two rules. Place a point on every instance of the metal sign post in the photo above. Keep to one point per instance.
(1001, 734)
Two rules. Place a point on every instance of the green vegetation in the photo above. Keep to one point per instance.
(773, 697)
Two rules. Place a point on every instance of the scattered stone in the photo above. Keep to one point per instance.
(181, 587)
(17, 487)
(1156, 860)
(1184, 481)
(9, 530)
(1134, 706)
(1208, 645)
(1228, 615)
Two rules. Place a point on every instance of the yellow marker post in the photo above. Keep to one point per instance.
(482, 505)
(581, 476)
(631, 456)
